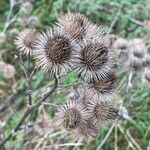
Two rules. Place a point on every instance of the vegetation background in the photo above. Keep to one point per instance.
(132, 131)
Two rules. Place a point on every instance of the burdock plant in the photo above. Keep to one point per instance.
(55, 51)
(75, 44)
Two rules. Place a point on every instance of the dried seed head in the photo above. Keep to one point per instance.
(135, 63)
(25, 41)
(105, 85)
(103, 89)
(87, 97)
(104, 113)
(98, 59)
(55, 51)
(123, 56)
(8, 71)
(13, 33)
(146, 60)
(121, 43)
(95, 34)
(72, 116)
(73, 24)
(94, 61)
(87, 133)
(137, 46)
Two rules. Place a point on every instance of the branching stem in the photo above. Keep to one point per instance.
(29, 110)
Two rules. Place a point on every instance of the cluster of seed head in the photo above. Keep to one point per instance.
(135, 55)
(7, 70)
(75, 43)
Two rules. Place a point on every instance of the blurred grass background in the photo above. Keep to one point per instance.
(13, 92)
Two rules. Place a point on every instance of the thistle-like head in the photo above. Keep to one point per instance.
(54, 51)
(25, 41)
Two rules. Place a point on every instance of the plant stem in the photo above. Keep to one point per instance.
(29, 110)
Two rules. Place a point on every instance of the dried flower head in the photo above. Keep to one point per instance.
(87, 97)
(123, 56)
(96, 34)
(121, 43)
(25, 41)
(94, 61)
(112, 39)
(146, 60)
(135, 63)
(13, 33)
(104, 113)
(74, 24)
(72, 116)
(138, 47)
(55, 51)
(87, 133)
(8, 71)
(103, 89)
